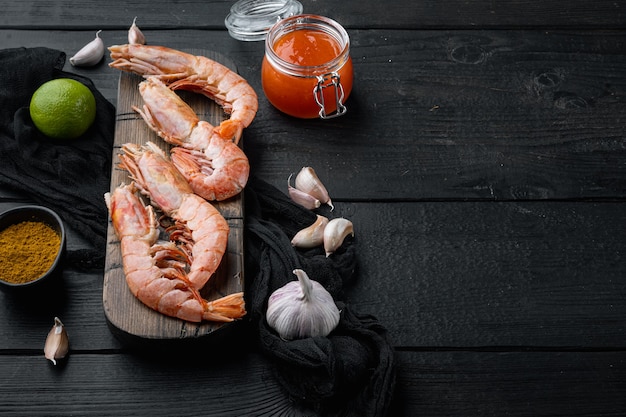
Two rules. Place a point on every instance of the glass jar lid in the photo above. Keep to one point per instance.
(250, 20)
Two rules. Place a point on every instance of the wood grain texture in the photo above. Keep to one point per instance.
(492, 274)
(118, 14)
(431, 384)
(128, 317)
(495, 115)
(482, 162)
(511, 274)
(513, 383)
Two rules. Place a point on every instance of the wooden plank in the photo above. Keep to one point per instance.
(466, 274)
(429, 384)
(492, 274)
(208, 383)
(127, 316)
(516, 384)
(495, 115)
(459, 115)
(429, 14)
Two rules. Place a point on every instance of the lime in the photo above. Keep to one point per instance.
(63, 108)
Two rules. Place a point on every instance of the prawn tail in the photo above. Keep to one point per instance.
(225, 309)
(230, 130)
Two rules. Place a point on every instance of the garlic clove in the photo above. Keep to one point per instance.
(302, 198)
(335, 232)
(135, 36)
(311, 236)
(57, 342)
(301, 309)
(89, 54)
(308, 182)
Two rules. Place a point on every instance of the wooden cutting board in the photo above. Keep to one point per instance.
(129, 318)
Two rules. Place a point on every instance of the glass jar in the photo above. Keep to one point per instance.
(307, 70)
(250, 20)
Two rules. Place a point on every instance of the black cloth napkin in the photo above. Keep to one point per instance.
(349, 373)
(69, 177)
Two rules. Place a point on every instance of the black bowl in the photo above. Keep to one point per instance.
(42, 214)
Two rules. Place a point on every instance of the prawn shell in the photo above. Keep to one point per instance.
(156, 271)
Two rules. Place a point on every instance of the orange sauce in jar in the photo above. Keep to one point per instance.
(307, 70)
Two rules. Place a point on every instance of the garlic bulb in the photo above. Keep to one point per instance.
(302, 198)
(135, 36)
(89, 54)
(57, 342)
(302, 309)
(335, 232)
(307, 181)
(311, 236)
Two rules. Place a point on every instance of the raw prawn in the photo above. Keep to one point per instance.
(184, 71)
(215, 168)
(167, 276)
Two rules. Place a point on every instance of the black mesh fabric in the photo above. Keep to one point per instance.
(350, 372)
(69, 177)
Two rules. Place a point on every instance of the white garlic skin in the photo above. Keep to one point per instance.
(311, 236)
(302, 198)
(57, 342)
(89, 54)
(302, 309)
(135, 36)
(307, 181)
(335, 232)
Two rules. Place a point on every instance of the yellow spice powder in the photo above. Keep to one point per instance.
(27, 250)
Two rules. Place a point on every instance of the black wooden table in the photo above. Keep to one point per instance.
(483, 163)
